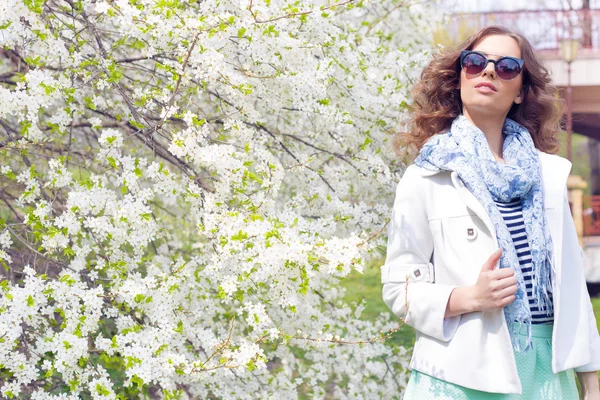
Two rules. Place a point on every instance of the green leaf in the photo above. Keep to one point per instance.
(89, 103)
(221, 294)
(73, 384)
(179, 328)
(115, 74)
(136, 124)
(34, 5)
(240, 236)
(102, 390)
(112, 162)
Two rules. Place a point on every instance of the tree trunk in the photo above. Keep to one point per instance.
(586, 38)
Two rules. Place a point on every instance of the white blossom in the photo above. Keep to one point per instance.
(190, 189)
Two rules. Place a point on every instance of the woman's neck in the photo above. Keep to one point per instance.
(491, 126)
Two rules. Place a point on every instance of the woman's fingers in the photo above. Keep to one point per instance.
(506, 282)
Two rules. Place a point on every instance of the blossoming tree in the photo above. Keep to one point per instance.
(184, 185)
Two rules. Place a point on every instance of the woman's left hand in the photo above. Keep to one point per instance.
(589, 385)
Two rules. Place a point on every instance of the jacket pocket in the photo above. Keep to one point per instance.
(462, 244)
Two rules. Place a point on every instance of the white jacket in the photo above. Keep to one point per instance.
(438, 239)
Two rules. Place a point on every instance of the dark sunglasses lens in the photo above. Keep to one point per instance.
(473, 63)
(508, 69)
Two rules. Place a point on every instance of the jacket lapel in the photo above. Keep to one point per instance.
(471, 201)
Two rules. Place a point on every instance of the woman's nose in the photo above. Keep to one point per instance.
(489, 69)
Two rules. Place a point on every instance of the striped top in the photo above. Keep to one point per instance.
(512, 213)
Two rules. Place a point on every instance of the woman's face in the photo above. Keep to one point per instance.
(499, 99)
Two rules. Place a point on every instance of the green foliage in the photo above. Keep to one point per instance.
(35, 6)
(580, 157)
(367, 286)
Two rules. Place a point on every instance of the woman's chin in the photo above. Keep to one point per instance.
(484, 106)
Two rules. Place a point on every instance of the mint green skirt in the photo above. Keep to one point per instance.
(535, 372)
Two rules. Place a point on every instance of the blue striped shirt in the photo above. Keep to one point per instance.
(512, 213)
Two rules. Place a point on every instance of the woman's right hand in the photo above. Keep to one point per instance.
(495, 288)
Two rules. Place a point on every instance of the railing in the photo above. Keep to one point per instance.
(591, 215)
(543, 28)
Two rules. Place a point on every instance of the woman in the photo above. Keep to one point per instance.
(483, 259)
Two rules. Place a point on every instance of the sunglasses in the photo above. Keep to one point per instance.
(507, 68)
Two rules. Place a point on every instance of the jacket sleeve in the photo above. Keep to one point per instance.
(408, 276)
(594, 337)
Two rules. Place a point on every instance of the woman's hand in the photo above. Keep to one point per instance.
(589, 385)
(495, 288)
(591, 396)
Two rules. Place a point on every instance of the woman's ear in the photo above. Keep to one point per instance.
(522, 94)
(519, 99)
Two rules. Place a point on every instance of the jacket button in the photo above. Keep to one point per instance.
(471, 233)
(417, 273)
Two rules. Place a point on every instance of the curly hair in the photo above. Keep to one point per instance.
(437, 100)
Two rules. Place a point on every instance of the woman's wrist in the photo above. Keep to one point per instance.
(461, 301)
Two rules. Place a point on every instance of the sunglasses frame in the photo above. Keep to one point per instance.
(519, 61)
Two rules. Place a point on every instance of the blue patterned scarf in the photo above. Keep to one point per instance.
(465, 149)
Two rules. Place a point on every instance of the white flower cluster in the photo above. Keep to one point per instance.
(187, 185)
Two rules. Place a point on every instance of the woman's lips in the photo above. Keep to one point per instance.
(485, 89)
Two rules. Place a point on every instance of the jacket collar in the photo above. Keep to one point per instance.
(555, 171)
